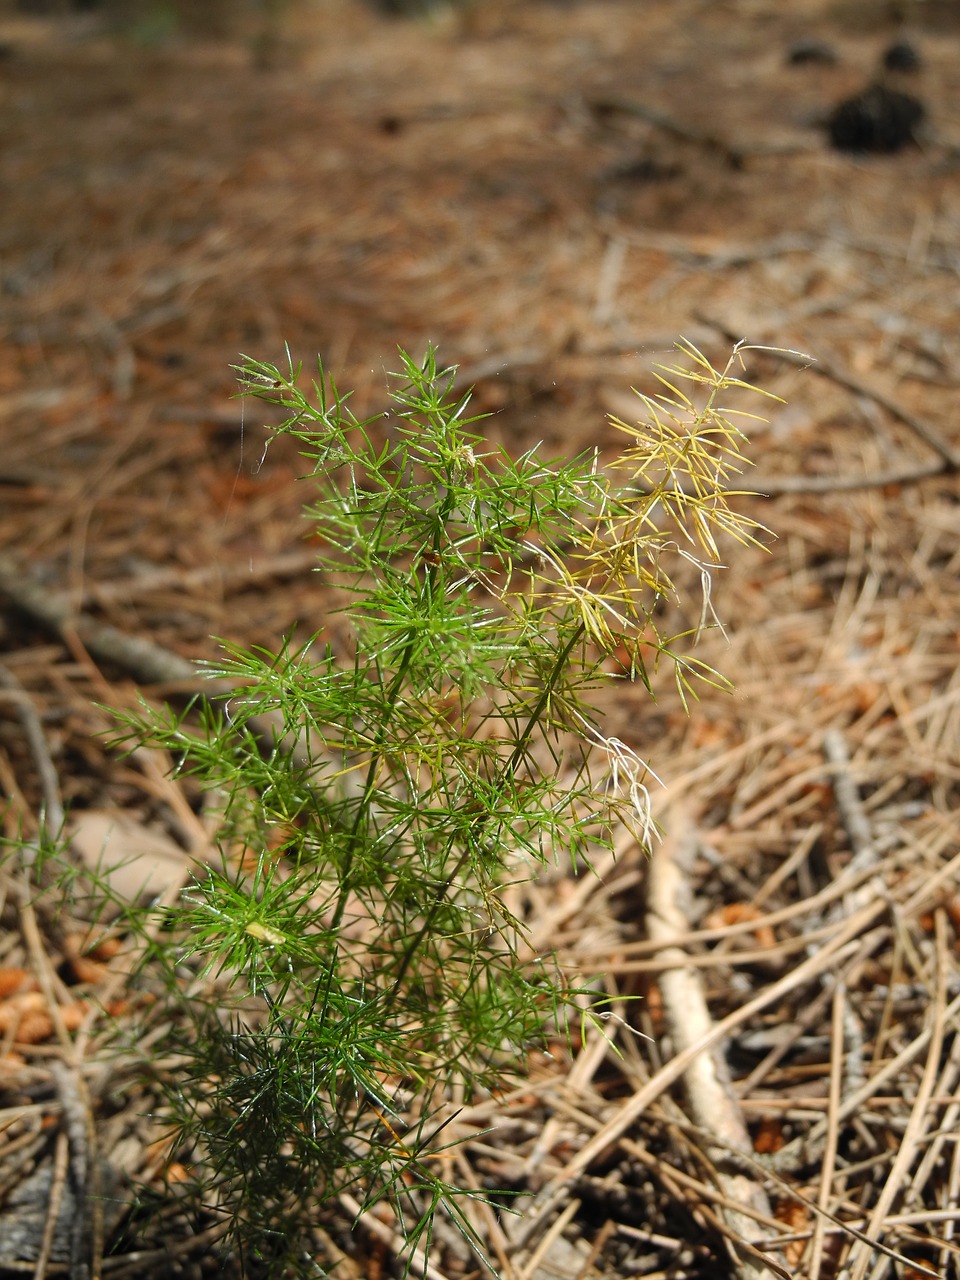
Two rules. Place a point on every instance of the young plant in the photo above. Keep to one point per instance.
(368, 964)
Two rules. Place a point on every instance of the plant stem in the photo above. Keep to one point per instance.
(375, 759)
(532, 720)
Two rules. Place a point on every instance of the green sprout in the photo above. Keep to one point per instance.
(353, 962)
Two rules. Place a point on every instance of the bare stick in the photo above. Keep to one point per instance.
(828, 1162)
(149, 663)
(677, 128)
(828, 956)
(776, 486)
(852, 815)
(919, 426)
(222, 577)
(87, 1228)
(37, 742)
(828, 369)
(713, 1104)
(142, 658)
(58, 1183)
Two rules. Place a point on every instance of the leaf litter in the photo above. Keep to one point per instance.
(778, 1089)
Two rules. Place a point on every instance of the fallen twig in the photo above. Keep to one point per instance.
(731, 155)
(222, 577)
(921, 428)
(950, 456)
(829, 1158)
(779, 486)
(148, 662)
(829, 955)
(713, 1105)
(852, 815)
(37, 742)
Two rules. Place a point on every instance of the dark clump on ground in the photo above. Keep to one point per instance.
(879, 119)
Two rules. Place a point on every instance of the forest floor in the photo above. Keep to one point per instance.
(553, 194)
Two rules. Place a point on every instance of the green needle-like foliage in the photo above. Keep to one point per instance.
(357, 934)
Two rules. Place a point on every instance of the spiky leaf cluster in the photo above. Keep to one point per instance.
(359, 924)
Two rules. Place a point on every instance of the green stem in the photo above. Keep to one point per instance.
(393, 693)
(558, 668)
(376, 757)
